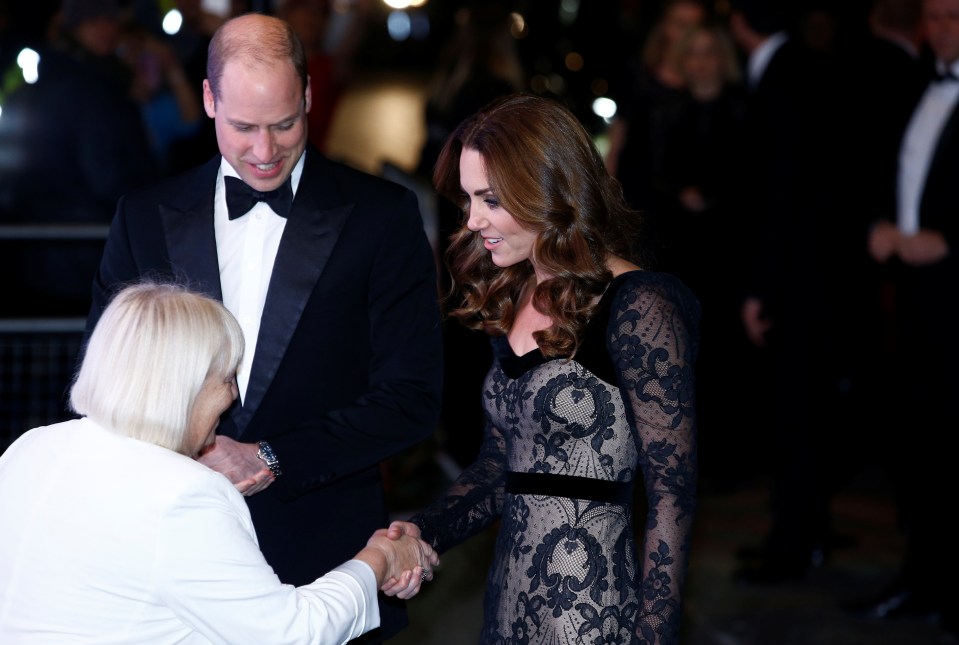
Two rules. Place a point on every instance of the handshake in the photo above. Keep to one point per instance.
(400, 560)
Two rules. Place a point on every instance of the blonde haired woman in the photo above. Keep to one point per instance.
(113, 533)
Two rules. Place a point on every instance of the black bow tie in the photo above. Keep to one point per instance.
(240, 197)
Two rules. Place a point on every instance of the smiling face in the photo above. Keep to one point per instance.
(703, 62)
(507, 241)
(216, 395)
(260, 119)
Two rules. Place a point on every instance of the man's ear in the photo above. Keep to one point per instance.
(209, 102)
(308, 98)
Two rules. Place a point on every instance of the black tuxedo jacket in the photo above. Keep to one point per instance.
(796, 242)
(916, 380)
(925, 293)
(348, 362)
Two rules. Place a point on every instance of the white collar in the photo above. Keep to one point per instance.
(759, 59)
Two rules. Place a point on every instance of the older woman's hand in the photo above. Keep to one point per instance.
(397, 530)
(399, 527)
(401, 563)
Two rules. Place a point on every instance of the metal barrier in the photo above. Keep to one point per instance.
(37, 362)
(37, 354)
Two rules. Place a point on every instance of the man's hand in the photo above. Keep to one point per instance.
(239, 463)
(883, 241)
(924, 248)
(754, 322)
(692, 199)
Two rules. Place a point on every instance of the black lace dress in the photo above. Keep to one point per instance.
(564, 441)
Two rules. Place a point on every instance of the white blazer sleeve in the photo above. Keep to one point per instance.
(211, 573)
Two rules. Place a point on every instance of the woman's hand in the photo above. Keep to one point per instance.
(400, 560)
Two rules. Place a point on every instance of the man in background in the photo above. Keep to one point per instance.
(911, 245)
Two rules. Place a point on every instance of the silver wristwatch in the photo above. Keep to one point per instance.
(269, 457)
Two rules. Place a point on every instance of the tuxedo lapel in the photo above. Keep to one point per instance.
(946, 140)
(188, 227)
(311, 233)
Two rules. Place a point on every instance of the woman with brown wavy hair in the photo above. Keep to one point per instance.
(591, 388)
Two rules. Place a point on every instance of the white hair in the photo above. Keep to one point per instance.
(148, 358)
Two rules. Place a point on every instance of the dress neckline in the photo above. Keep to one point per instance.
(534, 355)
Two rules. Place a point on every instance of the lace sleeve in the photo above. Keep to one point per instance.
(473, 502)
(653, 340)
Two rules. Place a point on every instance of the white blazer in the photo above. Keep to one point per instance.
(106, 539)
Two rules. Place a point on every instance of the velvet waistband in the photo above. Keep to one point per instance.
(547, 484)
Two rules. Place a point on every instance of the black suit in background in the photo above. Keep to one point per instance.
(70, 145)
(348, 363)
(702, 151)
(883, 82)
(917, 418)
(796, 242)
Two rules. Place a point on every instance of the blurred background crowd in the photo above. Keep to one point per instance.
(100, 96)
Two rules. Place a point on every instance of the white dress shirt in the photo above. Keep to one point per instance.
(760, 58)
(919, 144)
(109, 540)
(246, 249)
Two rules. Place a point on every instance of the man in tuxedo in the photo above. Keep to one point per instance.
(332, 279)
(793, 246)
(913, 246)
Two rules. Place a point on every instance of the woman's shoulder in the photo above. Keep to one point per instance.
(642, 279)
(148, 464)
(632, 287)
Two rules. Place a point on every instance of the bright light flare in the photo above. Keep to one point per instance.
(172, 22)
(399, 25)
(29, 62)
(604, 107)
(404, 4)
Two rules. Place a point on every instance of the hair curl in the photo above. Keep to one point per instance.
(549, 176)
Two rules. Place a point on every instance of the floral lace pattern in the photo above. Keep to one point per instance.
(567, 570)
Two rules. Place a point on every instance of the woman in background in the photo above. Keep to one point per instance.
(702, 169)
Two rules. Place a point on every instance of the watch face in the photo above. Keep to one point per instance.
(267, 455)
